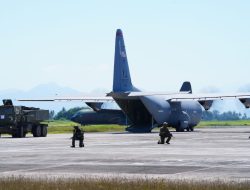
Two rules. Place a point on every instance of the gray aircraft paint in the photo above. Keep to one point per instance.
(101, 113)
(147, 112)
(102, 116)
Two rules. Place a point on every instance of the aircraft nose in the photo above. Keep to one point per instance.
(74, 118)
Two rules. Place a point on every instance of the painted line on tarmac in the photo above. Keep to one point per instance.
(208, 168)
(31, 169)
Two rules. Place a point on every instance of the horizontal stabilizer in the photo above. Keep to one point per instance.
(186, 86)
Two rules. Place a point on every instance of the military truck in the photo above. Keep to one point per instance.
(20, 120)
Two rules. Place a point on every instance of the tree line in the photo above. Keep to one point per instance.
(206, 115)
(225, 116)
(65, 114)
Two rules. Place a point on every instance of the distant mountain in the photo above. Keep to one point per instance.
(47, 91)
(52, 89)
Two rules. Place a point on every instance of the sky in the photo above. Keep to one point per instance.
(71, 43)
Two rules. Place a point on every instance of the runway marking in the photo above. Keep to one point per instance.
(38, 168)
(207, 168)
(97, 163)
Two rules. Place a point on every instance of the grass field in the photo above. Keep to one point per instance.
(224, 123)
(116, 184)
(64, 126)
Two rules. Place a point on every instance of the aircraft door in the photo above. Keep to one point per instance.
(158, 108)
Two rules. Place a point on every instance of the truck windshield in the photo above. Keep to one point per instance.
(6, 110)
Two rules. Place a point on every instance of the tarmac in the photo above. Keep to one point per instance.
(205, 154)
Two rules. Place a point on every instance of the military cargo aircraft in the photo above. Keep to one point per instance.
(147, 110)
(100, 115)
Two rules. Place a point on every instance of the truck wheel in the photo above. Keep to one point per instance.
(20, 132)
(44, 131)
(37, 131)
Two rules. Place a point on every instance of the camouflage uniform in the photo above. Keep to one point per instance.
(164, 133)
(78, 134)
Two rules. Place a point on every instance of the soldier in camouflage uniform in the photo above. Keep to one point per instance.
(78, 134)
(164, 133)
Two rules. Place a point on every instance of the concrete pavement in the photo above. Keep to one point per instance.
(211, 154)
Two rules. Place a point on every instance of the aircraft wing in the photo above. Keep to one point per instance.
(206, 100)
(84, 99)
(205, 97)
(186, 95)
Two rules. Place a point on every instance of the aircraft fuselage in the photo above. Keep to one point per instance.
(150, 111)
(100, 117)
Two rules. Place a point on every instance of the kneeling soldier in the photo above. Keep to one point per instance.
(78, 134)
(164, 133)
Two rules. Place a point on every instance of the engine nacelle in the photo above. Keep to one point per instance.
(206, 104)
(245, 101)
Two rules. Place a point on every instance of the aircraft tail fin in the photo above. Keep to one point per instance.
(122, 80)
(186, 86)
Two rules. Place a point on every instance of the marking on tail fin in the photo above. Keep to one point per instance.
(123, 54)
(122, 51)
